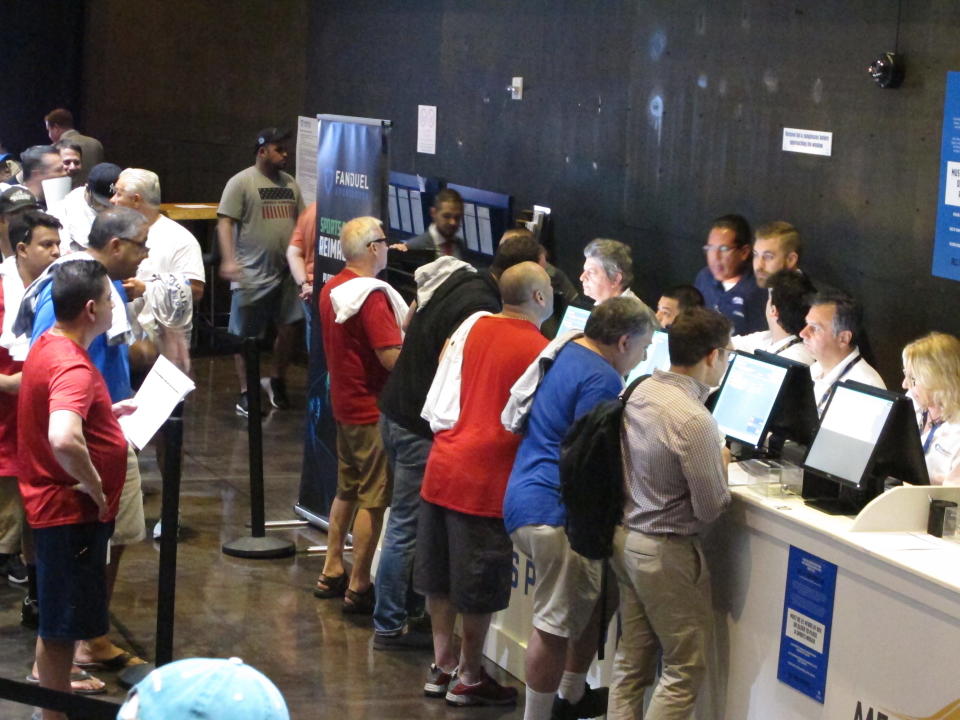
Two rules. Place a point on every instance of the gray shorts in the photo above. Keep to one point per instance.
(253, 310)
(466, 557)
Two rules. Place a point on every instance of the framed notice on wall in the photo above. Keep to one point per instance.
(946, 244)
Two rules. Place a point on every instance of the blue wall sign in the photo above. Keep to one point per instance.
(807, 620)
(946, 244)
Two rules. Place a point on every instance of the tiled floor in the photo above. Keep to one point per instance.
(260, 610)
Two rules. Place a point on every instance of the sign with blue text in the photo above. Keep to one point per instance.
(946, 244)
(353, 163)
(807, 620)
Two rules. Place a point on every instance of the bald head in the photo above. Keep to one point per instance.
(525, 287)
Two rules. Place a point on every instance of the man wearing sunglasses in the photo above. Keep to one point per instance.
(727, 283)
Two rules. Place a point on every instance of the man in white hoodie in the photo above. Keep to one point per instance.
(360, 319)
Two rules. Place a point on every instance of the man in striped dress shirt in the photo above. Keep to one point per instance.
(675, 468)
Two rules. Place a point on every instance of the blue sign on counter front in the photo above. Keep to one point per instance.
(946, 244)
(807, 621)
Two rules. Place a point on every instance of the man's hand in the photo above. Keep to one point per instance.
(402, 247)
(231, 270)
(124, 407)
(306, 291)
(10, 383)
(99, 499)
(135, 288)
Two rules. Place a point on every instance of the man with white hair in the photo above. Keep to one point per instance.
(171, 250)
(360, 318)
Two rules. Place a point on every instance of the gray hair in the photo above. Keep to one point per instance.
(357, 234)
(32, 158)
(615, 258)
(619, 316)
(145, 183)
(114, 222)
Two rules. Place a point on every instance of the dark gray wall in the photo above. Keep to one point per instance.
(588, 140)
(182, 88)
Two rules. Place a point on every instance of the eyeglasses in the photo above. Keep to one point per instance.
(729, 353)
(722, 249)
(378, 240)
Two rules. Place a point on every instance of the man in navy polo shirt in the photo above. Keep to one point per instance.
(727, 283)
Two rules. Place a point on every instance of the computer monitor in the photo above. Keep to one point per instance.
(747, 398)
(658, 357)
(574, 318)
(794, 417)
(868, 438)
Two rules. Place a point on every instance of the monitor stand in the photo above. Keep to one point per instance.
(833, 506)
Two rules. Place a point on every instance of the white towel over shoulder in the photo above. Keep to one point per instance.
(442, 406)
(518, 407)
(347, 299)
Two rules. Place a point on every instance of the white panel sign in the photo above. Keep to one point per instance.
(427, 129)
(811, 142)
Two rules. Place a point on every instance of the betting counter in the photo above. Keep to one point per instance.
(881, 635)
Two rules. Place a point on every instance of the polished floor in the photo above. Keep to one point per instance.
(261, 610)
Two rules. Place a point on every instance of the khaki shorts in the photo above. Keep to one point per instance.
(130, 527)
(362, 466)
(567, 584)
(11, 516)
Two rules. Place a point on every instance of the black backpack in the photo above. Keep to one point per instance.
(591, 476)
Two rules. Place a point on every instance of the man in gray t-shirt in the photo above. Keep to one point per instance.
(257, 214)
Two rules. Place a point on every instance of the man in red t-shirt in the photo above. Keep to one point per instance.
(72, 464)
(361, 342)
(36, 243)
(464, 556)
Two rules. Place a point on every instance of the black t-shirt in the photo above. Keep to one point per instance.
(462, 294)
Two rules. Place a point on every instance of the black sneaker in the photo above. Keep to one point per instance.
(30, 613)
(592, 704)
(410, 640)
(243, 405)
(14, 568)
(276, 389)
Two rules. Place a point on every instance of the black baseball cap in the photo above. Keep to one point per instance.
(101, 180)
(17, 197)
(270, 135)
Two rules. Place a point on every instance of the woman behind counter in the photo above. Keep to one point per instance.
(931, 377)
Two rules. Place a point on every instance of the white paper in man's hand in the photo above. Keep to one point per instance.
(164, 387)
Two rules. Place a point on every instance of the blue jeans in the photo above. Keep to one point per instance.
(407, 454)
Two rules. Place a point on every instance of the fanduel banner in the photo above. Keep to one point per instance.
(352, 168)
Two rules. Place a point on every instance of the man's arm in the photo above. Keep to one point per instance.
(298, 268)
(196, 290)
(388, 356)
(10, 383)
(65, 434)
(704, 467)
(229, 269)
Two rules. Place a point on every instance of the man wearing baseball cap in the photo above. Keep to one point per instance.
(80, 207)
(205, 689)
(257, 214)
(13, 201)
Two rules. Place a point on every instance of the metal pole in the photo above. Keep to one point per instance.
(169, 526)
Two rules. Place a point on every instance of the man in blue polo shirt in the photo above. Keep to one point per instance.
(587, 371)
(727, 283)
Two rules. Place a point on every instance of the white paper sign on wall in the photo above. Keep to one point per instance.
(811, 142)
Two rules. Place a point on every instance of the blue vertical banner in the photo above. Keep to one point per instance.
(807, 623)
(353, 162)
(946, 244)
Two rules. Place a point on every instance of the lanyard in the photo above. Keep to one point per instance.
(790, 345)
(821, 406)
(929, 441)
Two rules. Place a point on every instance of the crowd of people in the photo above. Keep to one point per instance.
(449, 410)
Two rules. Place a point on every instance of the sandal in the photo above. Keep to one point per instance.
(331, 586)
(76, 683)
(117, 662)
(359, 603)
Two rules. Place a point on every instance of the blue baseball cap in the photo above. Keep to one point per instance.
(205, 689)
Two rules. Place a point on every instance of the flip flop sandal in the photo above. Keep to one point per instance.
(75, 677)
(359, 603)
(117, 662)
(336, 586)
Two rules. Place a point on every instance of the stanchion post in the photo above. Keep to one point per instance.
(258, 545)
